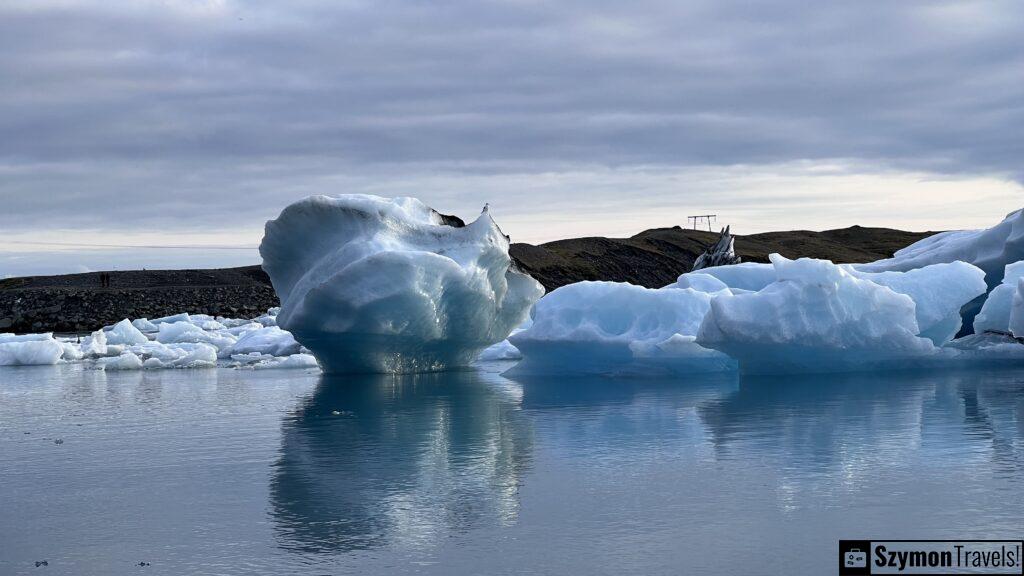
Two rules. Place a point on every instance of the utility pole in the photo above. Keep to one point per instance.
(702, 218)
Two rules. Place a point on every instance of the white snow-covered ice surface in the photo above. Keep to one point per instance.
(369, 284)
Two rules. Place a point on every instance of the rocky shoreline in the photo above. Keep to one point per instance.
(78, 302)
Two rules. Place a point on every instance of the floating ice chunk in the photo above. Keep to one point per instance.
(184, 332)
(71, 351)
(817, 317)
(144, 325)
(610, 327)
(377, 285)
(270, 340)
(94, 344)
(182, 317)
(125, 361)
(176, 355)
(124, 332)
(939, 291)
(268, 319)
(30, 352)
(211, 325)
(9, 337)
(232, 323)
(114, 349)
(241, 329)
(995, 313)
(161, 352)
(991, 249)
(295, 361)
(239, 360)
(198, 355)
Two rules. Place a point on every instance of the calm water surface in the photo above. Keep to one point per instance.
(236, 472)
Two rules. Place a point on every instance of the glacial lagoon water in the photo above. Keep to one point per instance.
(289, 472)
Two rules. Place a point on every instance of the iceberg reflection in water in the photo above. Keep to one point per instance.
(234, 472)
(374, 458)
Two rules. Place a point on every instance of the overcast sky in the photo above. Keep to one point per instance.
(183, 123)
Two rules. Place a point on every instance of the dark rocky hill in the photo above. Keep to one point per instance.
(653, 258)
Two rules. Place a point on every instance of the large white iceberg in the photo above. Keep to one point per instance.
(389, 285)
(820, 317)
(613, 327)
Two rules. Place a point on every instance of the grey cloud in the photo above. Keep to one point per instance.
(149, 111)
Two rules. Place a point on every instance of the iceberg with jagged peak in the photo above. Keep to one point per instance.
(371, 284)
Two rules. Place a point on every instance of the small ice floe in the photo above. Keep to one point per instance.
(29, 349)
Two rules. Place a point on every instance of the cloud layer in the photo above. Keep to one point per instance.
(189, 114)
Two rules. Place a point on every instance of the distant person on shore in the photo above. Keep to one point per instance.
(104, 280)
